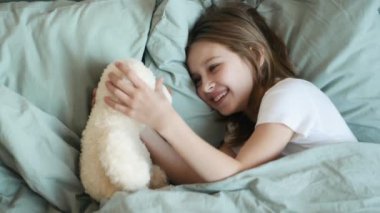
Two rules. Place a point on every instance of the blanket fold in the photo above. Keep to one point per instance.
(43, 153)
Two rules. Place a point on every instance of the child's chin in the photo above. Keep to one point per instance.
(225, 112)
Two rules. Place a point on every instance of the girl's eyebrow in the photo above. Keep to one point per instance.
(210, 59)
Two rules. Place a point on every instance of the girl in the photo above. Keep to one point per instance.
(241, 69)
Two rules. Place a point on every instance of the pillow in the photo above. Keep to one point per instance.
(166, 57)
(53, 53)
(335, 44)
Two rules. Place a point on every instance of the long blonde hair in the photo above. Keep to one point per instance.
(240, 28)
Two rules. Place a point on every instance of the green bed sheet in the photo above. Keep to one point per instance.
(52, 54)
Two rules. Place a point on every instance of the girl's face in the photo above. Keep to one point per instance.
(222, 78)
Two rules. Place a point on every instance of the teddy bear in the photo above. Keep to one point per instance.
(113, 157)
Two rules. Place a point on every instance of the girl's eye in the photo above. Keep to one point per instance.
(213, 67)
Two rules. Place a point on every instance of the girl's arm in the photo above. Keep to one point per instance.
(151, 107)
(162, 154)
(265, 144)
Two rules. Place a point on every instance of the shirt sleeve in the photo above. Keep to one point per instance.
(292, 107)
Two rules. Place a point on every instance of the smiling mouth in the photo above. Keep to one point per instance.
(219, 97)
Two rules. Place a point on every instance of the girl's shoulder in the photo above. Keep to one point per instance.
(293, 84)
(294, 88)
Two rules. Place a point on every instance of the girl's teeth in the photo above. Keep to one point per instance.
(217, 98)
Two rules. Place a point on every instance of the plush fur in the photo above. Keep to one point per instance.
(113, 157)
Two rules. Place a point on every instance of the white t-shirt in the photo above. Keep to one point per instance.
(306, 110)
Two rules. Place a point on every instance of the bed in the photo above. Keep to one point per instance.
(53, 52)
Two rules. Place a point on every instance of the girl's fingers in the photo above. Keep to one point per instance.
(116, 105)
(94, 92)
(161, 89)
(93, 99)
(135, 79)
(121, 96)
(120, 83)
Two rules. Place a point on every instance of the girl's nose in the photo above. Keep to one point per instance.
(209, 86)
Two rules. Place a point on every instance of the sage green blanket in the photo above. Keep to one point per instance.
(337, 178)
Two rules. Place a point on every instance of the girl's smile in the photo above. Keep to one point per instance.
(217, 99)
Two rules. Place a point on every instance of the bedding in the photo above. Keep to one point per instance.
(51, 57)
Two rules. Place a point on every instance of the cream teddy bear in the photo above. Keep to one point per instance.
(113, 157)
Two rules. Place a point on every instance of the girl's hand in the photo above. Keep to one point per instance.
(93, 99)
(136, 100)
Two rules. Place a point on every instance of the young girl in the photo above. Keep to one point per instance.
(241, 69)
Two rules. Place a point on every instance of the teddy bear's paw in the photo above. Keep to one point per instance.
(158, 178)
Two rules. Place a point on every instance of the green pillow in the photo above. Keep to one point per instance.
(166, 56)
(53, 53)
(335, 44)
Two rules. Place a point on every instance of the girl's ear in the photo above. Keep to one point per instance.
(260, 53)
(261, 59)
